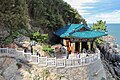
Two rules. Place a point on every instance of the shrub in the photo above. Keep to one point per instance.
(39, 37)
(47, 49)
(8, 40)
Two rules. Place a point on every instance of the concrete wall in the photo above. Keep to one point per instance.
(93, 71)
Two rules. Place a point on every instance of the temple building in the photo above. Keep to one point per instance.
(78, 37)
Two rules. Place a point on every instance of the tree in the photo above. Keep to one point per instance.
(13, 17)
(101, 26)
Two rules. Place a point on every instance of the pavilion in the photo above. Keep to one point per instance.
(78, 37)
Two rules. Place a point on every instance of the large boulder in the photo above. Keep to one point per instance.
(10, 71)
(8, 67)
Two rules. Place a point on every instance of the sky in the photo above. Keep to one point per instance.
(94, 10)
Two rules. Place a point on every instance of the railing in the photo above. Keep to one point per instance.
(49, 62)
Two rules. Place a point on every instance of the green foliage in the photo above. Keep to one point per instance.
(47, 49)
(8, 40)
(16, 34)
(39, 37)
(100, 25)
(13, 14)
(99, 41)
(44, 37)
(36, 35)
(51, 14)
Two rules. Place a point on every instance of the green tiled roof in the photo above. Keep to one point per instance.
(88, 34)
(71, 30)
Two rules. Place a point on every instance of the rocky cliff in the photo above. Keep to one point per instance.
(111, 60)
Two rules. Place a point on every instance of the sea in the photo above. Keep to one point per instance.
(114, 30)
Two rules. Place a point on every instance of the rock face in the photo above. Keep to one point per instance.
(111, 60)
(8, 69)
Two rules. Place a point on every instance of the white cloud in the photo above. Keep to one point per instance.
(86, 7)
(78, 5)
(83, 12)
(82, 7)
(112, 17)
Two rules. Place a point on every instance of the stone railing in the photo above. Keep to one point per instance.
(49, 62)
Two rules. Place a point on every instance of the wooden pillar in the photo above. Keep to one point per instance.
(89, 45)
(80, 46)
(94, 45)
(72, 47)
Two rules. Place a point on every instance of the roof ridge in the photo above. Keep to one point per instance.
(75, 29)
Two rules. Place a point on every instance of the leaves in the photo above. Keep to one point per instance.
(47, 49)
(8, 40)
(100, 25)
(52, 13)
(13, 13)
(39, 37)
(36, 34)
